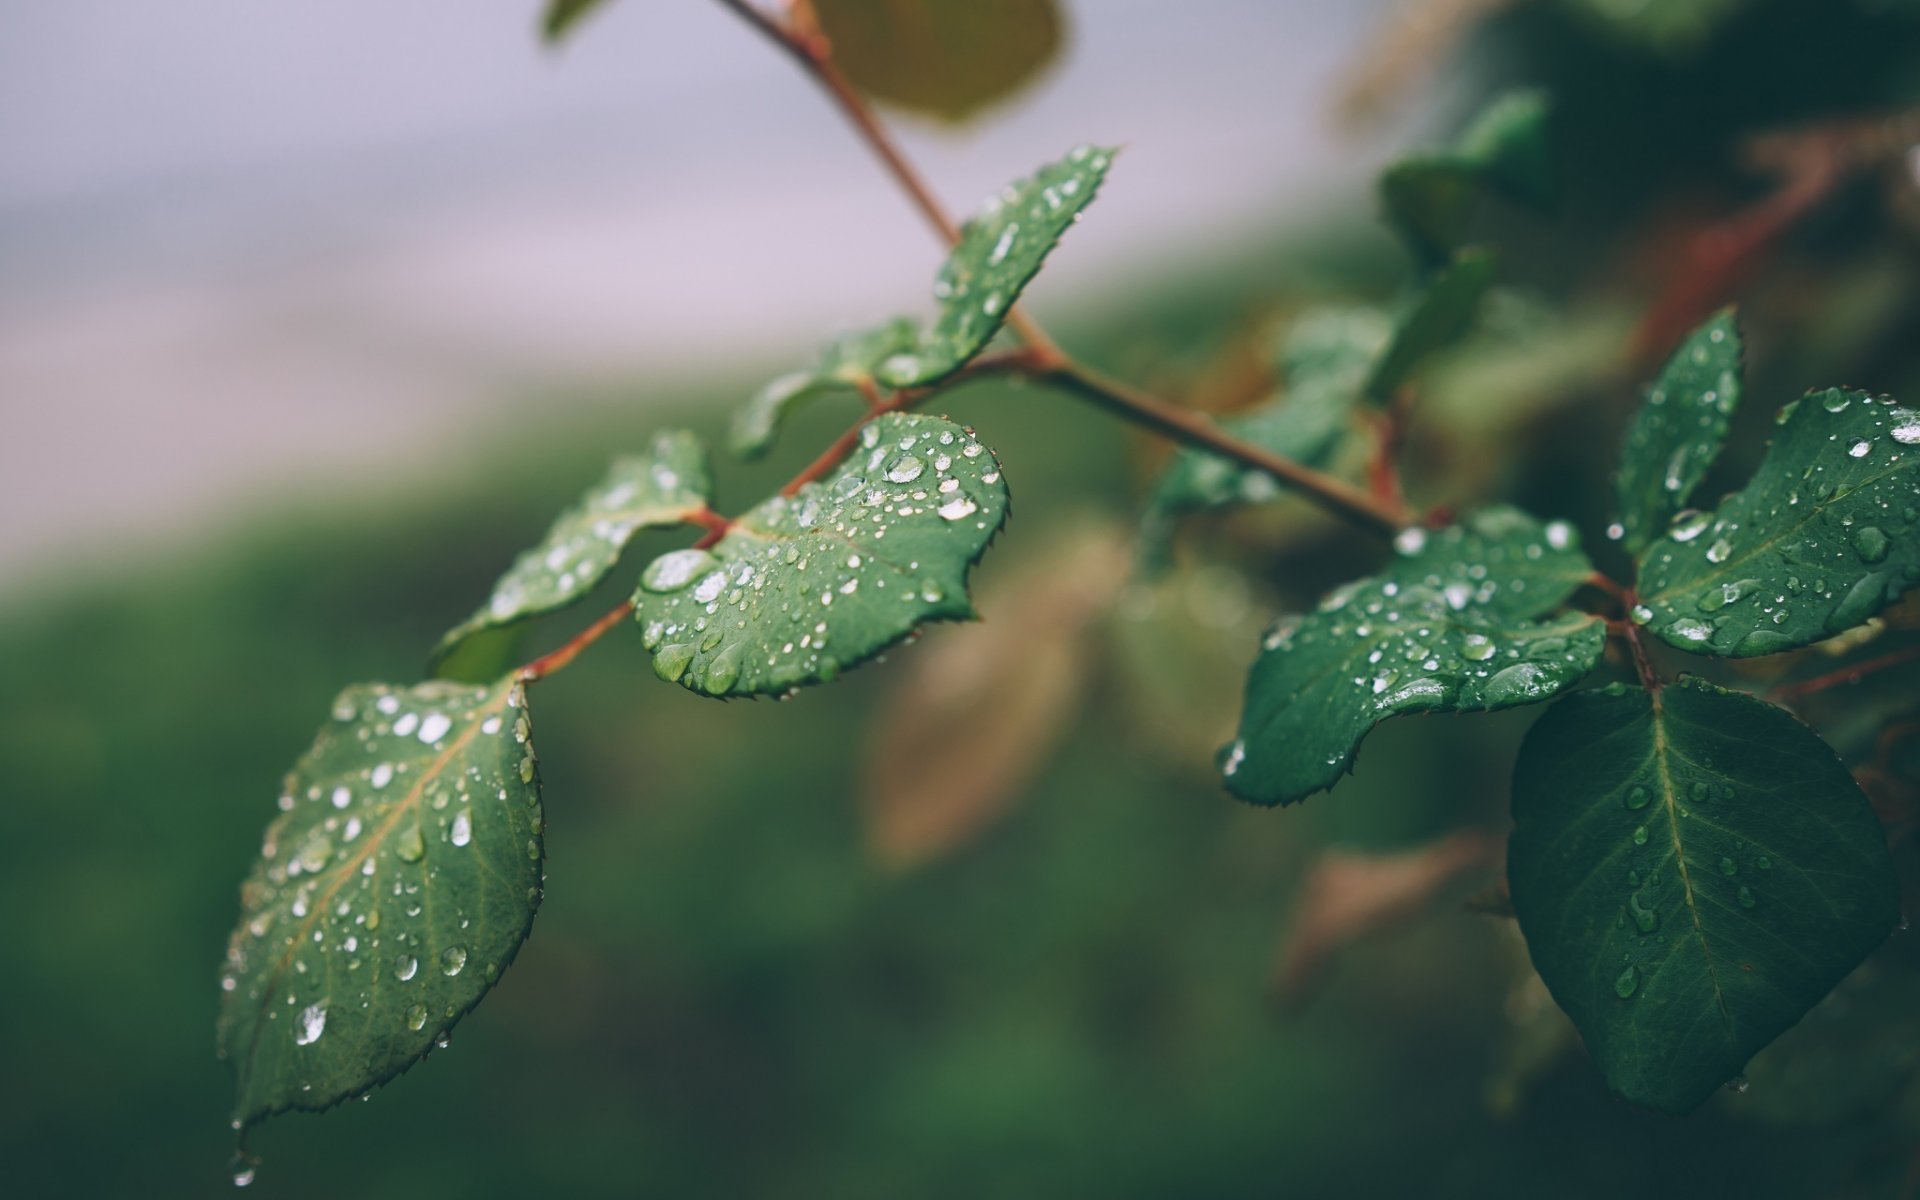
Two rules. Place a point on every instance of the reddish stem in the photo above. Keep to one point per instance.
(547, 664)
(1788, 693)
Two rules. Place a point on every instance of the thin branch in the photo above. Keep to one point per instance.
(548, 664)
(1790, 692)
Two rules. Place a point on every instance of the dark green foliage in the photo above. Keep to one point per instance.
(1679, 430)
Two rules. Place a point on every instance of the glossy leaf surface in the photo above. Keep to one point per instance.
(398, 882)
(804, 586)
(1693, 871)
(1678, 432)
(848, 363)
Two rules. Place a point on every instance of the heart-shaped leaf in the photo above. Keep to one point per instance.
(652, 491)
(848, 362)
(805, 586)
(398, 882)
(1457, 622)
(1822, 537)
(1693, 870)
(1678, 431)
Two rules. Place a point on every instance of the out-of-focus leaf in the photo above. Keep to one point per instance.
(1678, 431)
(654, 490)
(944, 58)
(1825, 535)
(957, 741)
(1432, 198)
(1536, 1036)
(804, 586)
(563, 16)
(1438, 318)
(1670, 27)
(1457, 622)
(1856, 1051)
(848, 362)
(1000, 251)
(398, 882)
(1416, 37)
(1179, 645)
(1693, 870)
(1349, 896)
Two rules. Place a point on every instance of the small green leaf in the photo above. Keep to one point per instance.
(1458, 622)
(1821, 539)
(805, 586)
(1442, 314)
(651, 491)
(562, 16)
(1693, 870)
(1000, 252)
(398, 882)
(943, 58)
(1432, 198)
(1679, 430)
(1322, 363)
(848, 362)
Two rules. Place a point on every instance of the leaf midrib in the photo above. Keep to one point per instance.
(1669, 800)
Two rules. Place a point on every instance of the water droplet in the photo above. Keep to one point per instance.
(958, 507)
(1859, 447)
(1836, 401)
(1644, 918)
(405, 967)
(411, 846)
(1411, 540)
(905, 469)
(723, 670)
(452, 959)
(311, 1023)
(1627, 983)
(1906, 427)
(416, 1016)
(675, 570)
(1729, 867)
(434, 727)
(1478, 648)
(671, 660)
(1637, 797)
(462, 831)
(1688, 524)
(1719, 551)
(1871, 543)
(1745, 896)
(1640, 835)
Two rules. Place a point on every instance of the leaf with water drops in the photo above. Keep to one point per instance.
(944, 58)
(1322, 363)
(398, 882)
(1438, 317)
(848, 363)
(1458, 622)
(1432, 198)
(655, 490)
(1822, 538)
(1000, 252)
(1678, 431)
(805, 586)
(1693, 870)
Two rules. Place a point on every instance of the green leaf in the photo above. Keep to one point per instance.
(848, 362)
(1821, 539)
(398, 882)
(655, 490)
(1322, 363)
(562, 16)
(943, 58)
(1679, 430)
(1432, 198)
(1693, 870)
(1457, 622)
(805, 586)
(1442, 314)
(1000, 252)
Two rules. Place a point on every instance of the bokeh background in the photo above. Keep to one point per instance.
(311, 316)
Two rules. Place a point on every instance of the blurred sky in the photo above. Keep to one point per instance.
(251, 249)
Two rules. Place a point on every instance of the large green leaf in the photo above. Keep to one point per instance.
(398, 882)
(1457, 622)
(1693, 870)
(1678, 431)
(1431, 198)
(1322, 362)
(1440, 315)
(804, 586)
(1822, 538)
(944, 58)
(848, 362)
(1000, 252)
(652, 491)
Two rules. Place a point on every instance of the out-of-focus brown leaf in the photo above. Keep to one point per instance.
(1406, 50)
(1536, 1036)
(1350, 896)
(963, 733)
(942, 58)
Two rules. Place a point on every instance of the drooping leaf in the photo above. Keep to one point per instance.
(1000, 252)
(848, 362)
(1678, 431)
(1440, 316)
(398, 882)
(1823, 537)
(1322, 362)
(655, 490)
(1457, 622)
(1432, 198)
(1693, 870)
(563, 16)
(805, 586)
(944, 58)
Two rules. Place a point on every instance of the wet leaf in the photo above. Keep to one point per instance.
(1439, 316)
(1432, 198)
(398, 882)
(1693, 871)
(848, 363)
(944, 58)
(651, 491)
(1821, 539)
(1679, 430)
(1457, 622)
(805, 586)
(563, 16)
(1000, 252)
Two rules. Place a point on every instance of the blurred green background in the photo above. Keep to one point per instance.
(726, 995)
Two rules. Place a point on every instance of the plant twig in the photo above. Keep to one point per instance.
(548, 664)
(1789, 692)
